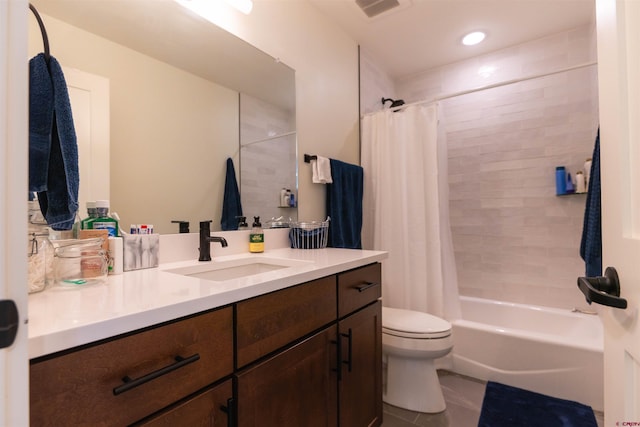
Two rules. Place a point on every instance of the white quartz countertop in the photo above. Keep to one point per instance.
(61, 318)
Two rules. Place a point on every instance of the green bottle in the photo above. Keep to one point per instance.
(93, 214)
(103, 220)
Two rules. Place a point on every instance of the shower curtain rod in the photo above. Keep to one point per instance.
(494, 85)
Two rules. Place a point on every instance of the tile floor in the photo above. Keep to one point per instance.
(464, 402)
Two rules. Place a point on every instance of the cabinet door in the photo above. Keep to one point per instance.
(294, 388)
(269, 322)
(210, 408)
(360, 386)
(128, 378)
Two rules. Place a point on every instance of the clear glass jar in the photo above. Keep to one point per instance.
(79, 262)
(39, 250)
(39, 258)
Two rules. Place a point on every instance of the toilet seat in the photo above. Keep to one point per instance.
(413, 324)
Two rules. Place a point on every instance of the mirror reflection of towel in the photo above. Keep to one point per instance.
(231, 206)
(344, 205)
(53, 148)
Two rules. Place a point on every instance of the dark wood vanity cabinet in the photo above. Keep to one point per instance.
(123, 380)
(211, 408)
(330, 377)
(360, 385)
(360, 329)
(304, 356)
(296, 387)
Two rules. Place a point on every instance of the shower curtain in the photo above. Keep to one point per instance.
(406, 209)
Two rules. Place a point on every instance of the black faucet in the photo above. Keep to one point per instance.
(206, 239)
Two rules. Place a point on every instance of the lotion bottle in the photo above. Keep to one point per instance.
(256, 236)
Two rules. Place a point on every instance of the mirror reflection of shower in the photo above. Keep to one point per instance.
(268, 158)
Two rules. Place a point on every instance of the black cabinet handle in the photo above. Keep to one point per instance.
(338, 369)
(230, 410)
(349, 361)
(603, 290)
(130, 383)
(365, 286)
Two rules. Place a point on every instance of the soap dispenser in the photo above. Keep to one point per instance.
(256, 237)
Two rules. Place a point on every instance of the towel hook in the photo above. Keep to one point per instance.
(45, 38)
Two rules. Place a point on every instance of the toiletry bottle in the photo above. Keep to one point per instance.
(104, 221)
(570, 186)
(256, 237)
(287, 198)
(283, 194)
(292, 200)
(587, 172)
(561, 180)
(580, 183)
(92, 213)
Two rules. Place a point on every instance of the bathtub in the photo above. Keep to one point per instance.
(546, 350)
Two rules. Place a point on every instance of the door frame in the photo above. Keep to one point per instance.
(14, 360)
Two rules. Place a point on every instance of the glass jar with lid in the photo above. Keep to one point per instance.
(79, 262)
(39, 250)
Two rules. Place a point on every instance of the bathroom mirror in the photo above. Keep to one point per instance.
(183, 94)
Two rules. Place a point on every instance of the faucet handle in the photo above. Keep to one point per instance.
(183, 225)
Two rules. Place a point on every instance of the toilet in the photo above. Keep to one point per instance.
(411, 341)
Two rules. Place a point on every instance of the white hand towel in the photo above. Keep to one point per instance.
(321, 171)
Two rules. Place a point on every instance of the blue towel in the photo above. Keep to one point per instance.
(591, 244)
(53, 148)
(231, 206)
(344, 205)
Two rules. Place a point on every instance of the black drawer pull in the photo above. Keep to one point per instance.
(366, 286)
(230, 410)
(133, 383)
(349, 362)
(338, 343)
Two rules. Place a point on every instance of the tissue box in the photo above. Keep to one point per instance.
(140, 251)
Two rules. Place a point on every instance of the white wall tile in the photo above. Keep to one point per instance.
(514, 239)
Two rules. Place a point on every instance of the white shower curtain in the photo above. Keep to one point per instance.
(406, 209)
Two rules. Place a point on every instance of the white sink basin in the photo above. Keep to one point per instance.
(219, 271)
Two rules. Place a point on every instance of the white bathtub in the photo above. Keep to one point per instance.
(546, 350)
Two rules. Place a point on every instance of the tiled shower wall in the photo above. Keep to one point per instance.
(514, 239)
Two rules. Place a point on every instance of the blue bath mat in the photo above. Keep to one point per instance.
(506, 406)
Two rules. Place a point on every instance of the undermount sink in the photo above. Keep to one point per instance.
(219, 271)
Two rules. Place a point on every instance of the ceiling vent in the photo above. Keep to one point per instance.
(375, 7)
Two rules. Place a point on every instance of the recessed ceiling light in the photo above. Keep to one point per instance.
(473, 38)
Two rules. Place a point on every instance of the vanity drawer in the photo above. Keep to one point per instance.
(358, 288)
(269, 322)
(85, 387)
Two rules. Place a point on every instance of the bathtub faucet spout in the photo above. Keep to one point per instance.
(583, 311)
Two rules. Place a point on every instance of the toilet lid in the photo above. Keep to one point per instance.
(413, 324)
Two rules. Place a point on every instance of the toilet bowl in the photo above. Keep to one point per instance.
(411, 341)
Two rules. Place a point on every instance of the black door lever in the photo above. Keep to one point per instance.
(603, 290)
(8, 322)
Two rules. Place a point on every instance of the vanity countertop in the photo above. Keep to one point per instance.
(61, 318)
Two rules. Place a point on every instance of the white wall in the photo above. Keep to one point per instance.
(326, 64)
(375, 84)
(514, 240)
